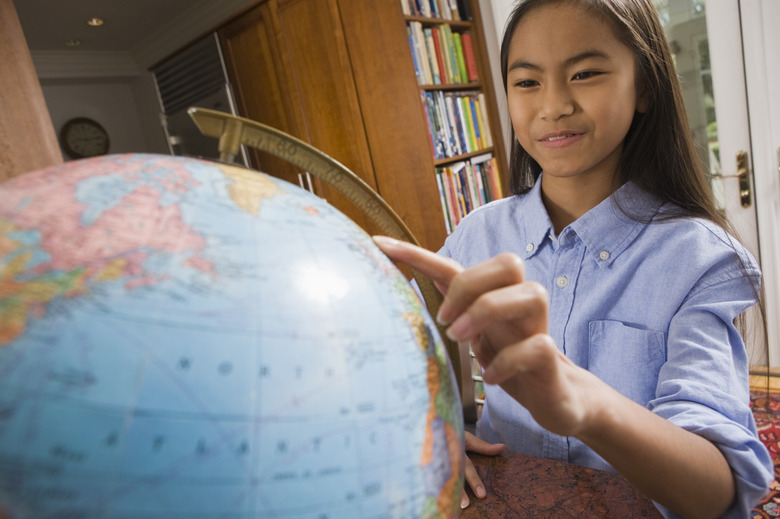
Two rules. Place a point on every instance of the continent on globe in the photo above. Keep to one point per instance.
(85, 229)
(181, 338)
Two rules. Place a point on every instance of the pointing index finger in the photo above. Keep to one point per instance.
(439, 269)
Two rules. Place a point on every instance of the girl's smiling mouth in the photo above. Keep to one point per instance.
(560, 139)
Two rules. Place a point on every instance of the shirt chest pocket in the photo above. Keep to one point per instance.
(626, 358)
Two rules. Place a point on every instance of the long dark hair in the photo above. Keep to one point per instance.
(659, 153)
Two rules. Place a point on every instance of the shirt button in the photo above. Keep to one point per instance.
(604, 255)
(529, 247)
(562, 282)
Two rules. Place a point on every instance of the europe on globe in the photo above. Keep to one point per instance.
(183, 338)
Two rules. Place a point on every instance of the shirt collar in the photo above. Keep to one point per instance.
(610, 227)
(606, 230)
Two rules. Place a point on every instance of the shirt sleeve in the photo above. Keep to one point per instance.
(704, 387)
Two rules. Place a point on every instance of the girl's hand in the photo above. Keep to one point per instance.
(505, 319)
(474, 444)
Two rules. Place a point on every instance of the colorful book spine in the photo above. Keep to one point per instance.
(454, 200)
(443, 198)
(424, 8)
(459, 56)
(443, 9)
(431, 55)
(451, 54)
(472, 73)
(468, 123)
(472, 101)
(422, 54)
(429, 120)
(484, 129)
(465, 186)
(443, 73)
(455, 9)
(415, 59)
(464, 9)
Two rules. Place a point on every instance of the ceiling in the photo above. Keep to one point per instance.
(48, 24)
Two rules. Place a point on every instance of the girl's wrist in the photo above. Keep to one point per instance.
(606, 412)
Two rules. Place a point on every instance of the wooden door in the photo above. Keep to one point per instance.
(290, 69)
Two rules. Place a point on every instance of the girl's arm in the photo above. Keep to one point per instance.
(505, 318)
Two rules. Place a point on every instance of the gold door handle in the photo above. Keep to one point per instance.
(745, 193)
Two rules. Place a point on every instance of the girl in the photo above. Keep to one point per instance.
(601, 299)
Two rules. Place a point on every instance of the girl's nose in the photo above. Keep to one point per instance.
(557, 102)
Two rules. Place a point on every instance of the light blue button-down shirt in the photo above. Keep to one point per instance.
(648, 308)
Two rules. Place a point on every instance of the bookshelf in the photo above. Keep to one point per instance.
(443, 40)
(448, 53)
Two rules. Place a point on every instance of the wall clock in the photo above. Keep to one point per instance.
(83, 137)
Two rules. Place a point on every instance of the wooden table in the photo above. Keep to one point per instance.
(524, 486)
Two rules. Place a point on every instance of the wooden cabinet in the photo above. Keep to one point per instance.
(339, 74)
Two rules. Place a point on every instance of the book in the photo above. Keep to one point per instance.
(495, 182)
(443, 49)
(481, 163)
(435, 9)
(449, 182)
(419, 45)
(431, 54)
(444, 205)
(487, 137)
(464, 9)
(444, 126)
(437, 43)
(471, 185)
(415, 60)
(424, 8)
(455, 127)
(468, 123)
(479, 177)
(460, 188)
(475, 122)
(451, 54)
(468, 55)
(460, 59)
(454, 9)
(444, 9)
(429, 120)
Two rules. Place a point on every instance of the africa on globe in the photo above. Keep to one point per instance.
(182, 338)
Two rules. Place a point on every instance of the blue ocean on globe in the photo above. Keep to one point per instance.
(183, 338)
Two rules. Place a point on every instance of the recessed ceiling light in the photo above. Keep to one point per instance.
(72, 43)
(95, 21)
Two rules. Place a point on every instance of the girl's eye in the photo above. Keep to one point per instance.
(526, 83)
(585, 74)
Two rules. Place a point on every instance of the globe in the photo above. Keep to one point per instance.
(183, 338)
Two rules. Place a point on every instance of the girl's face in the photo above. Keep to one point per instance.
(571, 91)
